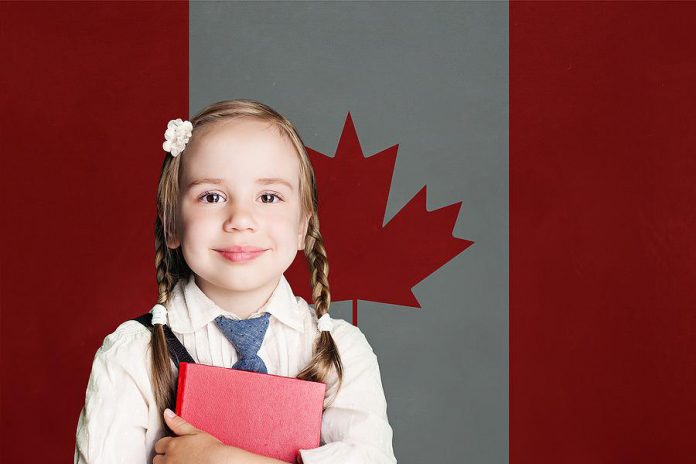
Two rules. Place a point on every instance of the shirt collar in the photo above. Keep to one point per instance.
(189, 309)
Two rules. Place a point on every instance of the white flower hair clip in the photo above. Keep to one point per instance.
(325, 323)
(177, 136)
(159, 314)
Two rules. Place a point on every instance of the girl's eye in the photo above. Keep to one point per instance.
(208, 195)
(269, 194)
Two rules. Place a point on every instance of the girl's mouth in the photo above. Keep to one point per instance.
(240, 257)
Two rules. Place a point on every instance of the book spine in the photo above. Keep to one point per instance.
(181, 385)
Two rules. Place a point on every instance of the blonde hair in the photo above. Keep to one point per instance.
(171, 266)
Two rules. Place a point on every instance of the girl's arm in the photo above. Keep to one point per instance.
(192, 445)
(240, 456)
(355, 427)
(113, 423)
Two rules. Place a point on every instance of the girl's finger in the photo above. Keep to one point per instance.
(161, 445)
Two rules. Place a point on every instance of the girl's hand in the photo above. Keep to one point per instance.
(190, 446)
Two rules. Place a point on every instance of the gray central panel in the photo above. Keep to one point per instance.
(433, 78)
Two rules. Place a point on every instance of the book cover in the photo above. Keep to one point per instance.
(266, 414)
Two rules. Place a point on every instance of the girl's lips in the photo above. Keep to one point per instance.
(241, 256)
(241, 249)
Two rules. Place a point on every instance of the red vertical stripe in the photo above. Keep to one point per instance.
(602, 230)
(87, 90)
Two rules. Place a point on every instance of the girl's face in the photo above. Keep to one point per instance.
(239, 186)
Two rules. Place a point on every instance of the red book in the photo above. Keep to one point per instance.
(265, 414)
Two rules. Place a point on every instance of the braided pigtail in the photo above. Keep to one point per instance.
(162, 377)
(170, 268)
(326, 354)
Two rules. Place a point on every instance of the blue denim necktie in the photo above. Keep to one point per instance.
(246, 335)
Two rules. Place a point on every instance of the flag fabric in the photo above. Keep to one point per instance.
(521, 259)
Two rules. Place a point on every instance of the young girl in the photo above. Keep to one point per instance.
(236, 201)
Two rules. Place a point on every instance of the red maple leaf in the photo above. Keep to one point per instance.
(368, 260)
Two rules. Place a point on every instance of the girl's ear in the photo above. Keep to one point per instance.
(303, 232)
(173, 242)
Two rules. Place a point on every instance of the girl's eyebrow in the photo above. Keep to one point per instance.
(262, 181)
(274, 180)
(205, 180)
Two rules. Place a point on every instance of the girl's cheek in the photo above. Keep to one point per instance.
(290, 229)
(196, 223)
(193, 214)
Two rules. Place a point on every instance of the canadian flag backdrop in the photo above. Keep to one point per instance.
(506, 193)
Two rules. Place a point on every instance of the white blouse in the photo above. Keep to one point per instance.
(120, 423)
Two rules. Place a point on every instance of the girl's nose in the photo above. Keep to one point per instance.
(239, 217)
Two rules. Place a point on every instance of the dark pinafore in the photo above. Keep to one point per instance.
(177, 352)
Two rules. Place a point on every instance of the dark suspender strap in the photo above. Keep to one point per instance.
(177, 352)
